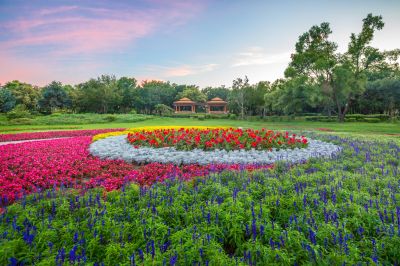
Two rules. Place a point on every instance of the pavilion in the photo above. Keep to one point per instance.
(185, 105)
(216, 106)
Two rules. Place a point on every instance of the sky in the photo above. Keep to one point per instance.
(205, 43)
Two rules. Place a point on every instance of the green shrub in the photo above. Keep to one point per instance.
(19, 111)
(110, 118)
(201, 118)
(232, 116)
(372, 120)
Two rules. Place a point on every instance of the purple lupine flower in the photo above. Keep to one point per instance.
(398, 218)
(13, 262)
(132, 259)
(254, 229)
(141, 256)
(312, 236)
(360, 231)
(173, 259)
(153, 249)
(76, 237)
(72, 255)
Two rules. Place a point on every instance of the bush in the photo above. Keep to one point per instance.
(162, 110)
(133, 112)
(201, 118)
(372, 120)
(19, 111)
(110, 118)
(351, 118)
(232, 116)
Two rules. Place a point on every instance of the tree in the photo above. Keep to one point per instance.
(237, 96)
(7, 100)
(291, 96)
(220, 92)
(193, 93)
(154, 92)
(54, 96)
(127, 87)
(99, 95)
(380, 96)
(24, 93)
(73, 94)
(339, 77)
(254, 98)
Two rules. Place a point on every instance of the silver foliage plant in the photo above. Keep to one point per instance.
(118, 148)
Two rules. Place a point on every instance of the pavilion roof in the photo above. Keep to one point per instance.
(185, 100)
(217, 100)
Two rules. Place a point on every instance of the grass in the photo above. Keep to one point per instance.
(354, 128)
(59, 120)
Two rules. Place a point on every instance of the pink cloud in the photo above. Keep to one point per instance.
(54, 35)
(87, 35)
(186, 70)
(93, 29)
(55, 10)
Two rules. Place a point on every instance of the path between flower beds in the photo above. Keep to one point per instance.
(29, 140)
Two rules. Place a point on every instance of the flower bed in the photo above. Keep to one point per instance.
(217, 138)
(343, 211)
(54, 134)
(148, 128)
(32, 166)
(117, 148)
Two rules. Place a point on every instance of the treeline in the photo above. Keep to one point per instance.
(107, 94)
(318, 80)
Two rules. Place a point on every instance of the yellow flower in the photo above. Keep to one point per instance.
(149, 128)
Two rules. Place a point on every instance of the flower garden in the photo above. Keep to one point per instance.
(198, 196)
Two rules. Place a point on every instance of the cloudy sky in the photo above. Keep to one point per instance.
(207, 43)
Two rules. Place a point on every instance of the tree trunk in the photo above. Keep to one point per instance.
(342, 113)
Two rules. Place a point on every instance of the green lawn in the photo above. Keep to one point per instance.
(391, 130)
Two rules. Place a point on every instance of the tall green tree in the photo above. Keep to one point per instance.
(340, 77)
(381, 96)
(237, 97)
(254, 98)
(220, 92)
(154, 92)
(24, 93)
(7, 100)
(54, 96)
(193, 93)
(127, 88)
(99, 95)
